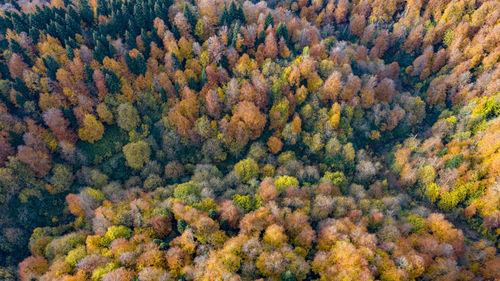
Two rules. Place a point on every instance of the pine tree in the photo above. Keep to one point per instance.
(288, 276)
(102, 8)
(282, 31)
(146, 40)
(85, 12)
(241, 15)
(100, 51)
(112, 81)
(34, 34)
(141, 64)
(262, 37)
(233, 12)
(269, 20)
(192, 83)
(140, 21)
(203, 78)
(189, 15)
(51, 65)
(130, 39)
(224, 17)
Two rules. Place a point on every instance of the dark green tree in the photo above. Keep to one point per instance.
(282, 31)
(269, 20)
(262, 37)
(51, 65)
(288, 276)
(112, 81)
(241, 15)
(140, 20)
(136, 65)
(191, 18)
(224, 18)
(233, 12)
(85, 12)
(130, 39)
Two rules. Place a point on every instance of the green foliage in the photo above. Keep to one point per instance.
(448, 37)
(100, 271)
(448, 201)
(417, 223)
(95, 194)
(336, 179)
(105, 148)
(181, 226)
(454, 162)
(128, 118)
(62, 178)
(75, 255)
(246, 169)
(187, 190)
(187, 112)
(115, 232)
(247, 202)
(283, 182)
(442, 152)
(432, 192)
(269, 20)
(61, 246)
(137, 65)
(426, 174)
(207, 205)
(491, 108)
(137, 154)
(288, 276)
(282, 31)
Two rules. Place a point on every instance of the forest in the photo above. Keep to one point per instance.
(148, 140)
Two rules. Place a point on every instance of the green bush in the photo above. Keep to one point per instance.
(454, 162)
(246, 169)
(283, 182)
(187, 189)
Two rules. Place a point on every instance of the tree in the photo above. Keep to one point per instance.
(282, 32)
(357, 25)
(267, 190)
(271, 46)
(247, 123)
(38, 161)
(332, 87)
(246, 169)
(271, 264)
(414, 39)
(128, 118)
(214, 48)
(385, 90)
(187, 191)
(61, 179)
(16, 66)
(189, 15)
(275, 235)
(274, 144)
(135, 62)
(341, 11)
(269, 20)
(137, 154)
(161, 226)
(32, 268)
(104, 113)
(224, 18)
(92, 129)
(54, 118)
(85, 12)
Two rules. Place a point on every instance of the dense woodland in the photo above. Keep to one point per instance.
(286, 140)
